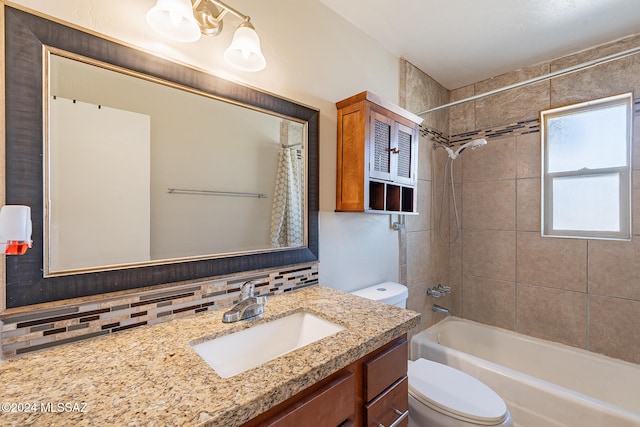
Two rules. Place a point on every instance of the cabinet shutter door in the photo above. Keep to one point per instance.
(405, 154)
(380, 156)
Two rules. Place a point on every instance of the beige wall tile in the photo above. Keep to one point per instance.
(489, 205)
(437, 212)
(552, 314)
(419, 259)
(489, 253)
(595, 53)
(528, 204)
(418, 301)
(489, 301)
(635, 219)
(419, 92)
(440, 256)
(455, 282)
(607, 79)
(613, 327)
(455, 254)
(440, 158)
(453, 209)
(423, 220)
(495, 161)
(402, 254)
(445, 218)
(462, 118)
(528, 155)
(614, 268)
(548, 261)
(425, 159)
(514, 105)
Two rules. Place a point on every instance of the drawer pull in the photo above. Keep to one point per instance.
(401, 416)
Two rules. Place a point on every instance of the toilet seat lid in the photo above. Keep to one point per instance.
(454, 392)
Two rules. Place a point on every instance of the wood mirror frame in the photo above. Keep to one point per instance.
(25, 35)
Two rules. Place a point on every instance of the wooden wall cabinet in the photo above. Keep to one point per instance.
(370, 392)
(377, 156)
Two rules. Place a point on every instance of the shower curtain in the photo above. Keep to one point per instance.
(287, 210)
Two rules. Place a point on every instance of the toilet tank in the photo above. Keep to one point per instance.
(388, 292)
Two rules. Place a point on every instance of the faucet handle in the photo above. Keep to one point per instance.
(434, 292)
(247, 289)
(444, 289)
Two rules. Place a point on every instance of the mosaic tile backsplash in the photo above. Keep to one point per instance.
(34, 331)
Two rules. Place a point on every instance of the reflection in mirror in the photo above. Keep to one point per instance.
(141, 171)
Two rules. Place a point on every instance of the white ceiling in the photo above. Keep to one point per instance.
(458, 42)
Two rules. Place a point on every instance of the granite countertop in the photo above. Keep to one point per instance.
(152, 376)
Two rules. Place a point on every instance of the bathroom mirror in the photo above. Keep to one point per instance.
(127, 195)
(140, 171)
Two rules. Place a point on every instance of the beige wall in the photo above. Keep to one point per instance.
(584, 293)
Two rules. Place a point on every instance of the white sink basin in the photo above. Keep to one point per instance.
(232, 354)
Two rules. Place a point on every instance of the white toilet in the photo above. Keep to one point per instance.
(439, 395)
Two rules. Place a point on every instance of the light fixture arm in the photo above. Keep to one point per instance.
(225, 8)
(209, 14)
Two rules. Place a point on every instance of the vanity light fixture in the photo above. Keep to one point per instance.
(15, 229)
(186, 20)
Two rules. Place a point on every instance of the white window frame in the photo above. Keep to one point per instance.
(625, 173)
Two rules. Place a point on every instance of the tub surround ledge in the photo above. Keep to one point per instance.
(152, 376)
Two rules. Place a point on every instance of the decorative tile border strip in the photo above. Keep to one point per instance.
(434, 135)
(520, 128)
(43, 329)
(514, 129)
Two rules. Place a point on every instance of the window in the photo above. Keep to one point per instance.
(586, 177)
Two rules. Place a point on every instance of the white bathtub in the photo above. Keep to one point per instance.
(544, 384)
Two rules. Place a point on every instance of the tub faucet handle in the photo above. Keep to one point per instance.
(444, 289)
(438, 291)
(434, 292)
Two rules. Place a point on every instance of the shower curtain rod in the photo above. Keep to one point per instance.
(538, 79)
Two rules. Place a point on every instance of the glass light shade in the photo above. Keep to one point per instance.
(244, 52)
(174, 19)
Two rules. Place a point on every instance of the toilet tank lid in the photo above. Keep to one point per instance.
(387, 292)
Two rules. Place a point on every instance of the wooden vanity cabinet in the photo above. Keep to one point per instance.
(386, 386)
(372, 391)
(377, 159)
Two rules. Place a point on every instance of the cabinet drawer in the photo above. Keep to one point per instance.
(385, 369)
(389, 406)
(329, 406)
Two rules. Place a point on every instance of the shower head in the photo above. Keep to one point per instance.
(476, 143)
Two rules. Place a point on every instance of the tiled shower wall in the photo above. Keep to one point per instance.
(423, 257)
(584, 293)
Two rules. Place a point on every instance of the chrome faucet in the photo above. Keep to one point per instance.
(248, 306)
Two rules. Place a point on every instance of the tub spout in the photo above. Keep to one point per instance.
(438, 309)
